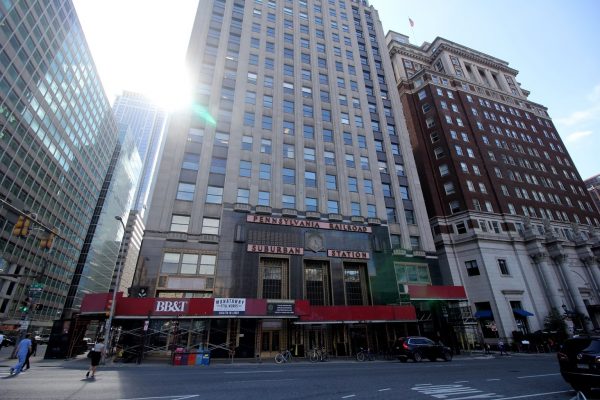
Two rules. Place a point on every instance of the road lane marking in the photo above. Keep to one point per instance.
(492, 379)
(536, 376)
(383, 390)
(252, 372)
(180, 397)
(445, 391)
(347, 397)
(461, 382)
(536, 395)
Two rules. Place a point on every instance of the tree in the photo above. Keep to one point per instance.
(554, 322)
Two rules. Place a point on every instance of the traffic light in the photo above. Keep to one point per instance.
(21, 228)
(48, 241)
(25, 305)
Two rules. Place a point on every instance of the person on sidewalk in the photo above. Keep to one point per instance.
(1, 340)
(501, 347)
(95, 356)
(32, 352)
(23, 349)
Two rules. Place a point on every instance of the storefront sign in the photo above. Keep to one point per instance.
(229, 306)
(260, 248)
(302, 223)
(280, 308)
(171, 306)
(362, 255)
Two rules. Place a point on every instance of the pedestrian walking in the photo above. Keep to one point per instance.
(32, 352)
(95, 355)
(1, 340)
(501, 347)
(23, 349)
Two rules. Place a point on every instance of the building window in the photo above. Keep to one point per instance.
(265, 171)
(331, 182)
(410, 217)
(264, 198)
(355, 209)
(309, 154)
(214, 195)
(329, 157)
(310, 179)
(449, 187)
(310, 203)
(289, 176)
(273, 277)
(472, 267)
(247, 143)
(265, 146)
(288, 201)
(316, 282)
(185, 191)
(503, 267)
(210, 226)
(243, 196)
(191, 161)
(288, 150)
(180, 223)
(355, 284)
(412, 274)
(245, 168)
(333, 207)
(404, 193)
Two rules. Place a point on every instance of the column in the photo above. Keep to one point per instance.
(591, 263)
(578, 304)
(549, 279)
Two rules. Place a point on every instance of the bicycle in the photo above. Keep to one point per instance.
(318, 354)
(364, 355)
(283, 357)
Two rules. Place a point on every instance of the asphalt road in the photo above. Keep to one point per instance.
(520, 376)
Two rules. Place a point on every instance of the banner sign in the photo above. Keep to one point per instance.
(303, 223)
(228, 306)
(280, 308)
(361, 255)
(171, 306)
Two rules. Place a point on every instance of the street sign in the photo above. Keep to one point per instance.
(24, 325)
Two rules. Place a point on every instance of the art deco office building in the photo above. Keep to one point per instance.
(291, 180)
(511, 217)
(57, 135)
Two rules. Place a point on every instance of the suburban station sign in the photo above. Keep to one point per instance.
(361, 255)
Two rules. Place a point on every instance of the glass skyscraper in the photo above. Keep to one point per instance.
(57, 136)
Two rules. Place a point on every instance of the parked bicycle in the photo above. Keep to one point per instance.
(283, 357)
(318, 354)
(364, 355)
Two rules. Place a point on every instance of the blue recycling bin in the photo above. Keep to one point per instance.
(205, 358)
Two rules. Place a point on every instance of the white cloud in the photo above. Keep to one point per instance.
(577, 136)
(588, 114)
(594, 97)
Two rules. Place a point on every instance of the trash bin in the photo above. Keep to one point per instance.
(178, 356)
(205, 358)
(192, 358)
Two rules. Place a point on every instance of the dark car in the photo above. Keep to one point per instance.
(417, 348)
(579, 360)
(8, 341)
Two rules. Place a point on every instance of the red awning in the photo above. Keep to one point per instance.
(356, 314)
(428, 292)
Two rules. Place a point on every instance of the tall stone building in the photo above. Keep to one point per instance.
(593, 187)
(289, 193)
(512, 220)
(57, 135)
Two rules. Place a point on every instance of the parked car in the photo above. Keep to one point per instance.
(417, 348)
(42, 339)
(579, 360)
(8, 341)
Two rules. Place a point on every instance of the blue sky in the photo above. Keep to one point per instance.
(552, 43)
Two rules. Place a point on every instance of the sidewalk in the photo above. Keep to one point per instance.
(82, 362)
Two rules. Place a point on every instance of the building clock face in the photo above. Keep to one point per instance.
(314, 242)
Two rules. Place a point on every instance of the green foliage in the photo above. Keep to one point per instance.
(554, 322)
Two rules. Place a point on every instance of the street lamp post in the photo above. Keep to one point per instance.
(108, 326)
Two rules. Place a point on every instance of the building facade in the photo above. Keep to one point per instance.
(291, 179)
(57, 135)
(593, 186)
(146, 124)
(512, 220)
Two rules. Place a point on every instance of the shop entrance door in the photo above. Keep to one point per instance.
(271, 338)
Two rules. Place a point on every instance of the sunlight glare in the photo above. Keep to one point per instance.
(172, 91)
